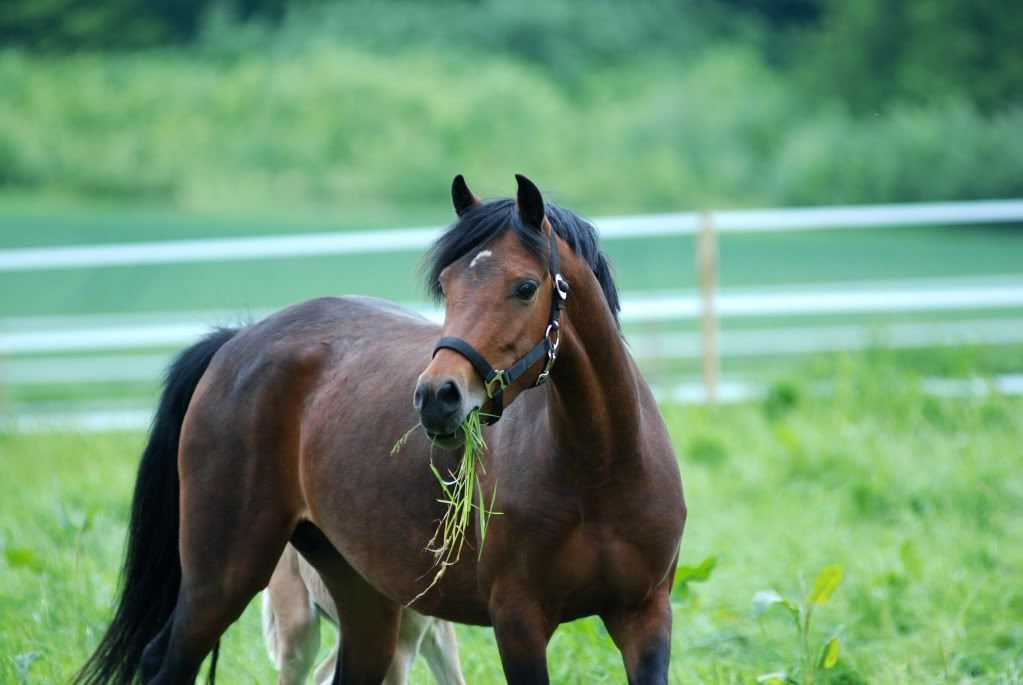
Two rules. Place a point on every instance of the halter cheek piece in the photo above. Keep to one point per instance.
(496, 380)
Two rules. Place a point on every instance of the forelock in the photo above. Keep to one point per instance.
(486, 221)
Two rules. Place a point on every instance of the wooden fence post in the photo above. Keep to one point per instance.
(707, 268)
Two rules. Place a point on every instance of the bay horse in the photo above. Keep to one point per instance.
(283, 430)
(297, 598)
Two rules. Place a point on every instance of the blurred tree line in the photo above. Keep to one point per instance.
(861, 51)
(115, 24)
(624, 106)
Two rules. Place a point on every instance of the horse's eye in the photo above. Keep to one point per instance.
(526, 290)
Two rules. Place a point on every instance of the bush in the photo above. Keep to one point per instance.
(331, 127)
(909, 153)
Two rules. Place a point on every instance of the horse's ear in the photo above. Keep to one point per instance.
(530, 201)
(461, 196)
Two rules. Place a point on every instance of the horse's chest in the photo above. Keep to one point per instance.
(596, 566)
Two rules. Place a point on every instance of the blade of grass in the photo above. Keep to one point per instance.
(460, 494)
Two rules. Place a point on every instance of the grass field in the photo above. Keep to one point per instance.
(917, 498)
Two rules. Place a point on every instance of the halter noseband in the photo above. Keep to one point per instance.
(496, 380)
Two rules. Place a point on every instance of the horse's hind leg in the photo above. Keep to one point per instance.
(221, 576)
(235, 522)
(214, 595)
(368, 621)
(152, 656)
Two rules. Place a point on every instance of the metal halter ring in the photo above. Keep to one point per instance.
(552, 342)
(498, 379)
(552, 350)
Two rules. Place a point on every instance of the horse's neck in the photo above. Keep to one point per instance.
(594, 406)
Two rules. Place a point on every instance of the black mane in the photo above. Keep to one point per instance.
(487, 220)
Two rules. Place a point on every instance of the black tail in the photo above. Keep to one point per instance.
(152, 568)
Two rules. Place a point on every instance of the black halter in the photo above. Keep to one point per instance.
(496, 380)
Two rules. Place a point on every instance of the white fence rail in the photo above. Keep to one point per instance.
(406, 239)
(104, 418)
(150, 332)
(126, 332)
(795, 340)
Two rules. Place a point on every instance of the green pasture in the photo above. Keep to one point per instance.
(917, 498)
(120, 125)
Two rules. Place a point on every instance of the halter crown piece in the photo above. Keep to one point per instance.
(496, 380)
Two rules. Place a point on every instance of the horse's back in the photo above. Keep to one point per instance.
(338, 319)
(311, 335)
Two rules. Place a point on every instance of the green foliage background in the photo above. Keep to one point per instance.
(359, 106)
(362, 111)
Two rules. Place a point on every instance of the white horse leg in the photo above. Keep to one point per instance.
(410, 635)
(325, 671)
(291, 625)
(440, 649)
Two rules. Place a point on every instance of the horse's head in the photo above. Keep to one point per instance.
(502, 294)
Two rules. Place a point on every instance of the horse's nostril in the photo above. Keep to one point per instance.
(449, 396)
(418, 396)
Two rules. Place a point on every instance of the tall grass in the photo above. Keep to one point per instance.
(463, 498)
(917, 497)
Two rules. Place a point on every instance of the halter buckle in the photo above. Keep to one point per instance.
(498, 379)
(561, 287)
(553, 337)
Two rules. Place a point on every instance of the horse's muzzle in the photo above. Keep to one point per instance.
(439, 406)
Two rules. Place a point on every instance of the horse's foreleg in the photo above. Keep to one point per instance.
(521, 631)
(368, 621)
(644, 637)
